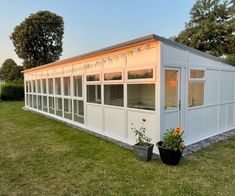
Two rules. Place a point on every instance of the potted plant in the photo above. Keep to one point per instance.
(171, 147)
(143, 150)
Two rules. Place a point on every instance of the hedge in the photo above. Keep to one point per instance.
(12, 91)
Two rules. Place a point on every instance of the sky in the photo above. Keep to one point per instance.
(94, 24)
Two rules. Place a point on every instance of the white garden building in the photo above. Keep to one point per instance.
(168, 84)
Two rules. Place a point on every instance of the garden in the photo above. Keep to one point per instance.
(42, 156)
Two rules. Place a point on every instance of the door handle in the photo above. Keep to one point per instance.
(179, 104)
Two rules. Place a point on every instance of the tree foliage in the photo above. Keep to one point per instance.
(10, 71)
(211, 27)
(38, 39)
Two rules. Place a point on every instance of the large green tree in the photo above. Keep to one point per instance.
(10, 71)
(211, 27)
(38, 39)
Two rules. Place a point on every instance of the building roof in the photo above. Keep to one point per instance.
(132, 42)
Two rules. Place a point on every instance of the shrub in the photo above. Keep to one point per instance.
(12, 91)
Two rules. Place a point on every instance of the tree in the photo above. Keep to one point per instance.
(10, 71)
(38, 39)
(211, 27)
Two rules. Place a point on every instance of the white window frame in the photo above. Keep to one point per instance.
(197, 80)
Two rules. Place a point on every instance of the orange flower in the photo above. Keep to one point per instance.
(178, 129)
(182, 146)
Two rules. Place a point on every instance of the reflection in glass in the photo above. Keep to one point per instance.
(171, 89)
(113, 76)
(140, 74)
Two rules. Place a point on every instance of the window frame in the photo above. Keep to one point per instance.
(93, 73)
(196, 80)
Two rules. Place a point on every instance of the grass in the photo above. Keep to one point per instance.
(45, 157)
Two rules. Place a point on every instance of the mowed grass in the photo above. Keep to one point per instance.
(45, 157)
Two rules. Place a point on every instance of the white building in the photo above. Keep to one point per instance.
(154, 78)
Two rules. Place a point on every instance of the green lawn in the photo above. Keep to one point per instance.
(45, 157)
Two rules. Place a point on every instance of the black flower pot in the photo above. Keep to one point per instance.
(143, 153)
(169, 156)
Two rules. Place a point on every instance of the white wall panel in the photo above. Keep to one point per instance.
(230, 115)
(94, 116)
(212, 86)
(135, 118)
(174, 56)
(226, 86)
(115, 121)
(195, 124)
(222, 117)
(171, 120)
(211, 119)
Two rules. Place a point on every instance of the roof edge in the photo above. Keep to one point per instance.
(96, 52)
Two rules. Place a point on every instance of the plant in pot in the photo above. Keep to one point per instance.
(172, 146)
(143, 150)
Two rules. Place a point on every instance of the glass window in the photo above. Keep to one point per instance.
(30, 100)
(113, 95)
(57, 86)
(45, 104)
(27, 86)
(171, 89)
(141, 96)
(94, 93)
(94, 77)
(195, 93)
(77, 84)
(113, 76)
(39, 86)
(67, 87)
(51, 105)
(40, 102)
(197, 73)
(68, 109)
(58, 106)
(35, 101)
(140, 74)
(44, 86)
(50, 86)
(78, 111)
(33, 86)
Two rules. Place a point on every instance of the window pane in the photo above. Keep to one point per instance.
(67, 91)
(171, 89)
(68, 109)
(40, 102)
(94, 93)
(27, 86)
(51, 105)
(141, 96)
(140, 74)
(195, 94)
(30, 100)
(113, 76)
(35, 101)
(58, 104)
(50, 86)
(57, 86)
(196, 73)
(78, 111)
(45, 103)
(39, 86)
(34, 86)
(44, 86)
(113, 95)
(77, 83)
(95, 77)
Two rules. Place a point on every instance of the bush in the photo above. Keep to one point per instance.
(12, 91)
